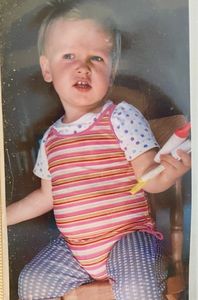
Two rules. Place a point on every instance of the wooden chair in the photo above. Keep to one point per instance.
(162, 127)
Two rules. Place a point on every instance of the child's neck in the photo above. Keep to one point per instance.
(73, 114)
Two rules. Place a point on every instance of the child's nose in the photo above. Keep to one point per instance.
(83, 68)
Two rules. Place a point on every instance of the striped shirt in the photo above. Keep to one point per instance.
(91, 183)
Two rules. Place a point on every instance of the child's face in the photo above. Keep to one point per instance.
(77, 59)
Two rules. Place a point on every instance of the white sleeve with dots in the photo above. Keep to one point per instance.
(41, 165)
(132, 130)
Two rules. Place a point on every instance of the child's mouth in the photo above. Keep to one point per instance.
(82, 85)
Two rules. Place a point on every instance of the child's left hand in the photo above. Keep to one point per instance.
(176, 168)
(173, 169)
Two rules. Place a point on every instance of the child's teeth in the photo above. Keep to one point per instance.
(82, 82)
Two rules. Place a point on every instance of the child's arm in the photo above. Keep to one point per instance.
(35, 204)
(173, 169)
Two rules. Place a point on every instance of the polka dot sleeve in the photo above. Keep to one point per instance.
(132, 130)
(41, 166)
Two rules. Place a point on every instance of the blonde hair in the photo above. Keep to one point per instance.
(79, 11)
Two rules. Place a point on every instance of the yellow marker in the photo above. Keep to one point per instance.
(137, 187)
(146, 177)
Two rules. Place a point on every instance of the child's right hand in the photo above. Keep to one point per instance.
(33, 205)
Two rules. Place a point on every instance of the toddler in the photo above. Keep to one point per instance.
(88, 162)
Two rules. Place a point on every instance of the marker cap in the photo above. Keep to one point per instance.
(183, 132)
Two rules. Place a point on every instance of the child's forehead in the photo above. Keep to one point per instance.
(79, 31)
(65, 24)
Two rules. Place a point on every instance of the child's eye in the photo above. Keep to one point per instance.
(97, 58)
(68, 56)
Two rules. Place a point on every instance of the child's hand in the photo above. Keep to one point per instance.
(176, 168)
(173, 169)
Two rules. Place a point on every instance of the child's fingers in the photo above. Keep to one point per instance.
(181, 165)
(167, 159)
(185, 158)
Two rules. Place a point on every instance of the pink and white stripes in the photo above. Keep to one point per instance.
(91, 182)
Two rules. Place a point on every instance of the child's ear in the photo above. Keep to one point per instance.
(44, 64)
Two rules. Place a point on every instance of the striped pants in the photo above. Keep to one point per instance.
(135, 267)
